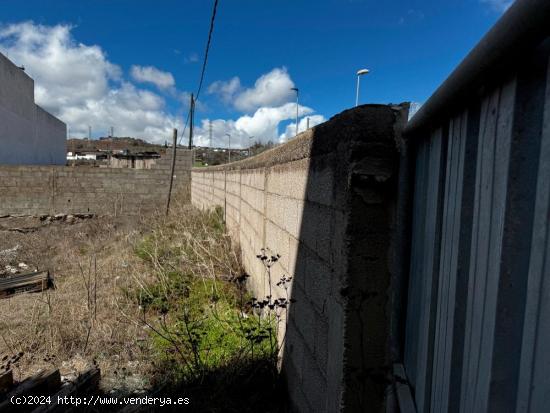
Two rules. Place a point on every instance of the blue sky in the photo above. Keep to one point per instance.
(132, 64)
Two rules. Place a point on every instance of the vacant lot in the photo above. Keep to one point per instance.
(156, 303)
(85, 319)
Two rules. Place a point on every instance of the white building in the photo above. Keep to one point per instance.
(87, 156)
(28, 134)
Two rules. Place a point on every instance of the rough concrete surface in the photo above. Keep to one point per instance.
(324, 202)
(36, 190)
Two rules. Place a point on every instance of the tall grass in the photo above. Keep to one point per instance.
(209, 334)
(157, 303)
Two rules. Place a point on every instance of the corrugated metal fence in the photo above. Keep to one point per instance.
(477, 330)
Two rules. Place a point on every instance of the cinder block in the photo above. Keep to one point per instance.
(303, 316)
(321, 343)
(317, 282)
(314, 384)
(294, 352)
(321, 185)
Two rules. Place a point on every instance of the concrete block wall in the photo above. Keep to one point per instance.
(321, 201)
(36, 190)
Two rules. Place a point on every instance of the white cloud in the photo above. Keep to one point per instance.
(413, 15)
(290, 130)
(270, 89)
(192, 58)
(499, 5)
(150, 74)
(77, 83)
(226, 90)
(132, 111)
(66, 73)
(263, 126)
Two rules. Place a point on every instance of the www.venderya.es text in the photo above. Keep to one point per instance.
(99, 400)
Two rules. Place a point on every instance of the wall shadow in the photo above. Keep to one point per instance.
(337, 345)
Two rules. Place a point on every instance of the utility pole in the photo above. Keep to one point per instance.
(191, 115)
(359, 74)
(210, 133)
(89, 133)
(112, 132)
(174, 144)
(229, 150)
(250, 146)
(296, 90)
(209, 151)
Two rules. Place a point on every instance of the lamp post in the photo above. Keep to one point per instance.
(359, 74)
(229, 151)
(296, 90)
(250, 145)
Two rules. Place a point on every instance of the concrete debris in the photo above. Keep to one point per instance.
(25, 230)
(15, 270)
(10, 269)
(69, 218)
(10, 253)
(46, 217)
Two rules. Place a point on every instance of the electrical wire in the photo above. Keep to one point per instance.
(204, 63)
(212, 20)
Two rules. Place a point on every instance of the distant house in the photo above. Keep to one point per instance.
(28, 134)
(87, 156)
(140, 160)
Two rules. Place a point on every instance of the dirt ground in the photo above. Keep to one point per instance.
(87, 318)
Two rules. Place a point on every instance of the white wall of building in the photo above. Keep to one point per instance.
(28, 134)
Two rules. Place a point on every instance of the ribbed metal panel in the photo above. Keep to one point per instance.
(477, 330)
(534, 377)
(424, 266)
(450, 240)
(490, 199)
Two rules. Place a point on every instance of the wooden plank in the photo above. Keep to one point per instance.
(32, 282)
(86, 383)
(43, 383)
(22, 279)
(6, 381)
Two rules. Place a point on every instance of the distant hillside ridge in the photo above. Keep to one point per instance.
(112, 144)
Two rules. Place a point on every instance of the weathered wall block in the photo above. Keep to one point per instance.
(32, 190)
(298, 200)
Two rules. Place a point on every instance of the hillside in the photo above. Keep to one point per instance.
(112, 144)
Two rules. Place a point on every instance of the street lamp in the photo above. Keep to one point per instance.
(229, 151)
(250, 145)
(359, 74)
(296, 90)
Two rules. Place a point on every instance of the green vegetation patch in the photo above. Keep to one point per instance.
(197, 310)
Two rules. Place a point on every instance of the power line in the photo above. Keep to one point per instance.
(185, 126)
(204, 63)
(212, 20)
